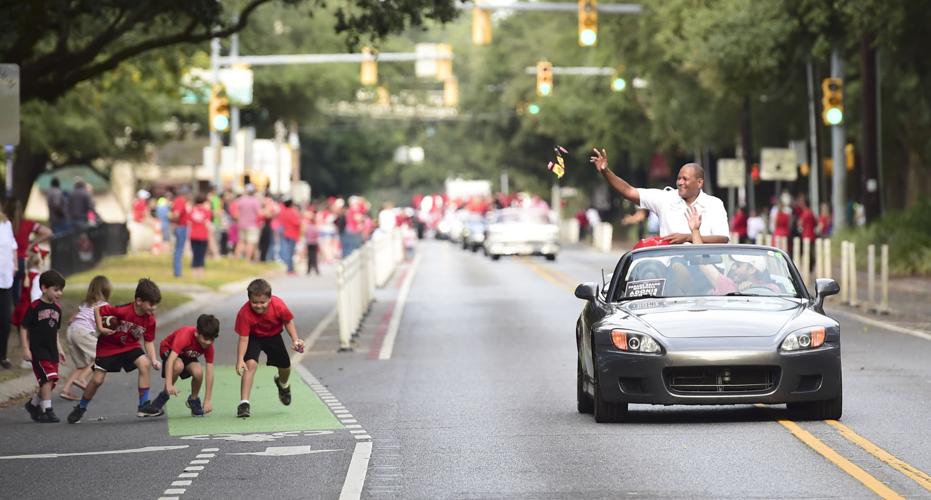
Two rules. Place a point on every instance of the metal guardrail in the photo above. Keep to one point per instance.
(357, 276)
(81, 249)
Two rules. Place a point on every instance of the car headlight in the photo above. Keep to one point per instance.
(634, 342)
(807, 338)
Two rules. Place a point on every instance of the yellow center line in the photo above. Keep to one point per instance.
(546, 275)
(912, 472)
(845, 465)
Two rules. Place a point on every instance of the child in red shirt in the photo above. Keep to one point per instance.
(179, 352)
(118, 347)
(39, 337)
(259, 324)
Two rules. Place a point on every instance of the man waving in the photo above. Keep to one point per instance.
(671, 206)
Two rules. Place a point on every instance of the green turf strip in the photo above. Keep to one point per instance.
(306, 411)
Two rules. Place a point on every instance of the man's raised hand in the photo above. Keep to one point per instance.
(600, 159)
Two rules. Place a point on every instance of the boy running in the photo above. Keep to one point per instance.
(179, 352)
(118, 347)
(259, 324)
(39, 337)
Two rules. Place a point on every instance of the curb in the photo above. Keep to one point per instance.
(26, 384)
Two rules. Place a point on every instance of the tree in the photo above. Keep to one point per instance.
(59, 44)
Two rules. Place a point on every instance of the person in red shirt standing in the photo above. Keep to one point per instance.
(259, 324)
(181, 217)
(118, 347)
(290, 221)
(179, 352)
(200, 216)
(739, 225)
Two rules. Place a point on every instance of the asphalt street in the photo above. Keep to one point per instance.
(477, 401)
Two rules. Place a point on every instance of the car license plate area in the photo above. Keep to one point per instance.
(721, 379)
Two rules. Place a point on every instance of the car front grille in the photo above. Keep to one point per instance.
(722, 379)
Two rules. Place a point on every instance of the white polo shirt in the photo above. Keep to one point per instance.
(671, 210)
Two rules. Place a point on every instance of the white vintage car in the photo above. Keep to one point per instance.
(518, 231)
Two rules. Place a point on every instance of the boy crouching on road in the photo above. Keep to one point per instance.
(39, 337)
(259, 324)
(179, 352)
(118, 347)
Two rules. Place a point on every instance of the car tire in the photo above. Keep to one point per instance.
(494, 256)
(605, 411)
(551, 257)
(829, 409)
(583, 400)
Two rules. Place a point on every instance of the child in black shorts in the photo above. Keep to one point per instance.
(259, 324)
(39, 336)
(179, 352)
(118, 347)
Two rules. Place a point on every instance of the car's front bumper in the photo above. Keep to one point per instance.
(521, 247)
(658, 379)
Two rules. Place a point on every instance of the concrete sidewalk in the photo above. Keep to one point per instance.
(909, 301)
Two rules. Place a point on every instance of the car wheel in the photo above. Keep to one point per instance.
(551, 256)
(583, 400)
(474, 248)
(494, 256)
(605, 411)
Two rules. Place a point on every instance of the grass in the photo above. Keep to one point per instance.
(907, 233)
(129, 268)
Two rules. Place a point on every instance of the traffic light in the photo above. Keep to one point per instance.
(544, 78)
(533, 108)
(481, 26)
(219, 109)
(832, 101)
(588, 22)
(451, 92)
(850, 158)
(618, 83)
(444, 65)
(368, 74)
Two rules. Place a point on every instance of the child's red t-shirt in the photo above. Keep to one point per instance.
(184, 343)
(267, 324)
(128, 332)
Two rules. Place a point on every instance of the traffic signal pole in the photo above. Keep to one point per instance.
(814, 156)
(839, 170)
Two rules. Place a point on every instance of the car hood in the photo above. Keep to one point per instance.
(704, 317)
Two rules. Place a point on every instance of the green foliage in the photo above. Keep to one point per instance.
(908, 235)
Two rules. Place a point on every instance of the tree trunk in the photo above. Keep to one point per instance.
(26, 168)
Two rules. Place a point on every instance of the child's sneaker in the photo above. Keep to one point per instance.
(76, 414)
(194, 404)
(147, 409)
(284, 393)
(48, 417)
(242, 411)
(33, 410)
(160, 400)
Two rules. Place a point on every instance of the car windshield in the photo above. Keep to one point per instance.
(707, 270)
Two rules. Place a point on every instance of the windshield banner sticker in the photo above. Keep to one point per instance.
(642, 288)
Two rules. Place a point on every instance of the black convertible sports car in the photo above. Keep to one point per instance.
(707, 325)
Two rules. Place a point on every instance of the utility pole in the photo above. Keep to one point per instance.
(868, 155)
(814, 156)
(747, 146)
(839, 171)
(215, 143)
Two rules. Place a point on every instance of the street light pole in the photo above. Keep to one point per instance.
(839, 170)
(215, 144)
(814, 156)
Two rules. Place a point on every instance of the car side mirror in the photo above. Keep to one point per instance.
(825, 287)
(586, 291)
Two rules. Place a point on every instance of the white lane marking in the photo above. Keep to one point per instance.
(880, 324)
(192, 468)
(358, 431)
(206, 455)
(353, 426)
(387, 346)
(200, 462)
(168, 498)
(188, 474)
(181, 483)
(175, 491)
(283, 451)
(146, 449)
(362, 436)
(205, 450)
(349, 421)
(355, 477)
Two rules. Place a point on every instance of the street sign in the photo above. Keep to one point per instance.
(238, 83)
(778, 164)
(9, 104)
(425, 66)
(731, 173)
